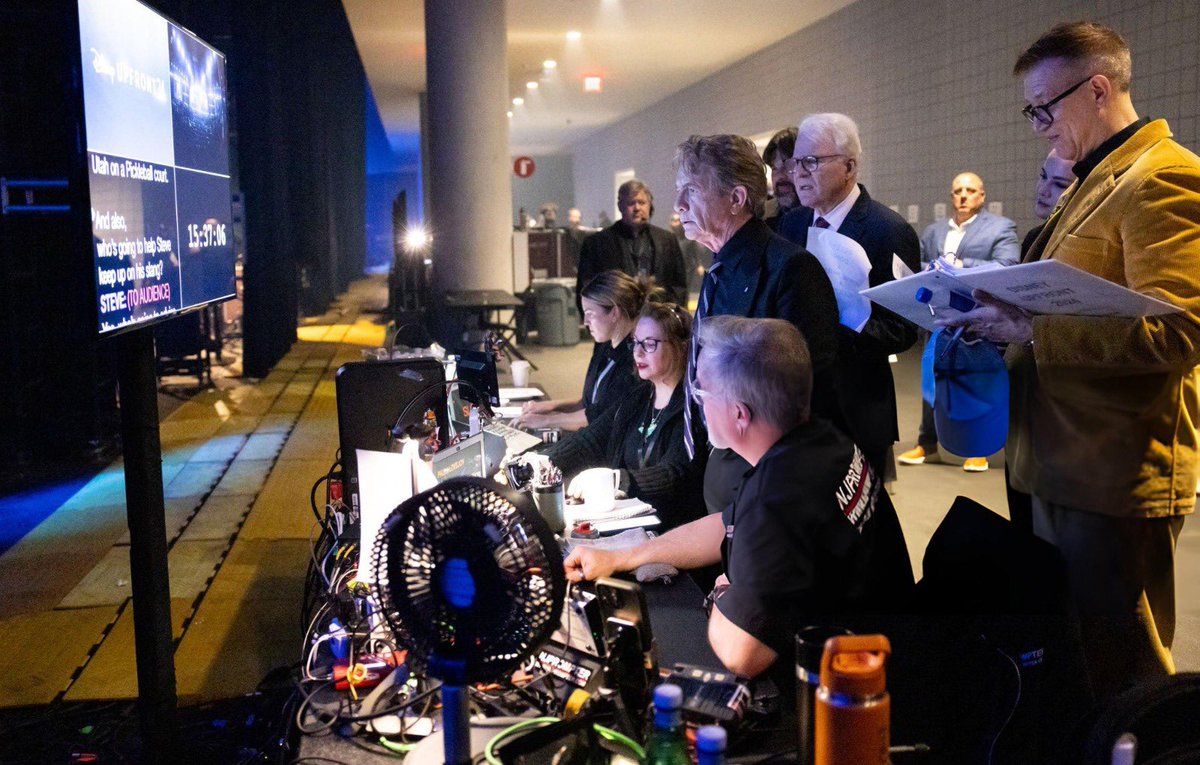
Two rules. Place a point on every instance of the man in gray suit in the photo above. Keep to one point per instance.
(973, 236)
(970, 238)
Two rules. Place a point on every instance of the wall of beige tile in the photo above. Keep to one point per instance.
(930, 85)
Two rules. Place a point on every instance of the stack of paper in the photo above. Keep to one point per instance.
(1040, 287)
(519, 394)
(622, 508)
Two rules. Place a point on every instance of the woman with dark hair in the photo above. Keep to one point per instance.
(642, 436)
(612, 301)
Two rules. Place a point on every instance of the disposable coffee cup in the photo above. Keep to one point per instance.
(810, 646)
(520, 373)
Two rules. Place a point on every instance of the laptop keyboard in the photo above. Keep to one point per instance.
(515, 439)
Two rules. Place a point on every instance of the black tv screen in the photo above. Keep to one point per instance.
(157, 125)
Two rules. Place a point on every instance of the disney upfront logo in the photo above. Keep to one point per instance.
(125, 74)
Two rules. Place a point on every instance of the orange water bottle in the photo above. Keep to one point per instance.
(853, 714)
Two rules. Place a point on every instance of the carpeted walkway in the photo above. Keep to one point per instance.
(238, 462)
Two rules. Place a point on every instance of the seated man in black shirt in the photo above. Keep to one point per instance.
(810, 536)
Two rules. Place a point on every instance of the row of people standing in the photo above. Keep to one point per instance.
(795, 513)
(1103, 409)
(720, 201)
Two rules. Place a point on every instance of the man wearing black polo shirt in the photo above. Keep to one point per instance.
(809, 537)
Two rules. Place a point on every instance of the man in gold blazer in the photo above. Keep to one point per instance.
(1104, 411)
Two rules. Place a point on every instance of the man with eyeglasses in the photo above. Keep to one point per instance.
(969, 238)
(824, 170)
(1104, 409)
(810, 537)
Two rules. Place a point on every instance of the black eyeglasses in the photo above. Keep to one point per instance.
(1041, 113)
(649, 345)
(810, 163)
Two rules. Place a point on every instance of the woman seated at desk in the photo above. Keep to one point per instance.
(611, 303)
(641, 437)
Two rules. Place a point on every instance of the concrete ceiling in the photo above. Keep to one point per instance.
(645, 50)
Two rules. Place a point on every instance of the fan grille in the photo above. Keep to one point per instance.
(469, 571)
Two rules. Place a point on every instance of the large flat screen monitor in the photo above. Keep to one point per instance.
(156, 117)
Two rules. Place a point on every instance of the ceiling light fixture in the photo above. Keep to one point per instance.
(574, 35)
(549, 64)
(518, 101)
(532, 85)
(509, 114)
(593, 84)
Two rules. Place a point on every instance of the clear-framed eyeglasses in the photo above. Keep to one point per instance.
(810, 162)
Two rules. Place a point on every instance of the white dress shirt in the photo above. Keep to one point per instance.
(837, 215)
(955, 235)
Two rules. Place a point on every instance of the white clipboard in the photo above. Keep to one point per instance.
(1041, 287)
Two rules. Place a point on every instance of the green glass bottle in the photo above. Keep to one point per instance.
(668, 743)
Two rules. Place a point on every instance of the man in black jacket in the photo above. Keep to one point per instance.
(824, 168)
(720, 191)
(635, 246)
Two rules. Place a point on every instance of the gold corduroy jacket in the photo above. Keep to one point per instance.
(1105, 410)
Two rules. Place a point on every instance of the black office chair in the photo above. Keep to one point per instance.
(990, 668)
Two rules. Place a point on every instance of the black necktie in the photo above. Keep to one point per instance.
(707, 294)
(821, 222)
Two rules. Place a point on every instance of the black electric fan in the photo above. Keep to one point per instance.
(470, 580)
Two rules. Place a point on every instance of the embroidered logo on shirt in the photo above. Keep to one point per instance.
(858, 492)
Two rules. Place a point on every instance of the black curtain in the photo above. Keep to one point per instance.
(299, 131)
(57, 378)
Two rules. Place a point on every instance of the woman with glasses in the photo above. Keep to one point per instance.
(611, 301)
(642, 436)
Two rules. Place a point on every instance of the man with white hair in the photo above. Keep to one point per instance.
(809, 536)
(824, 169)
